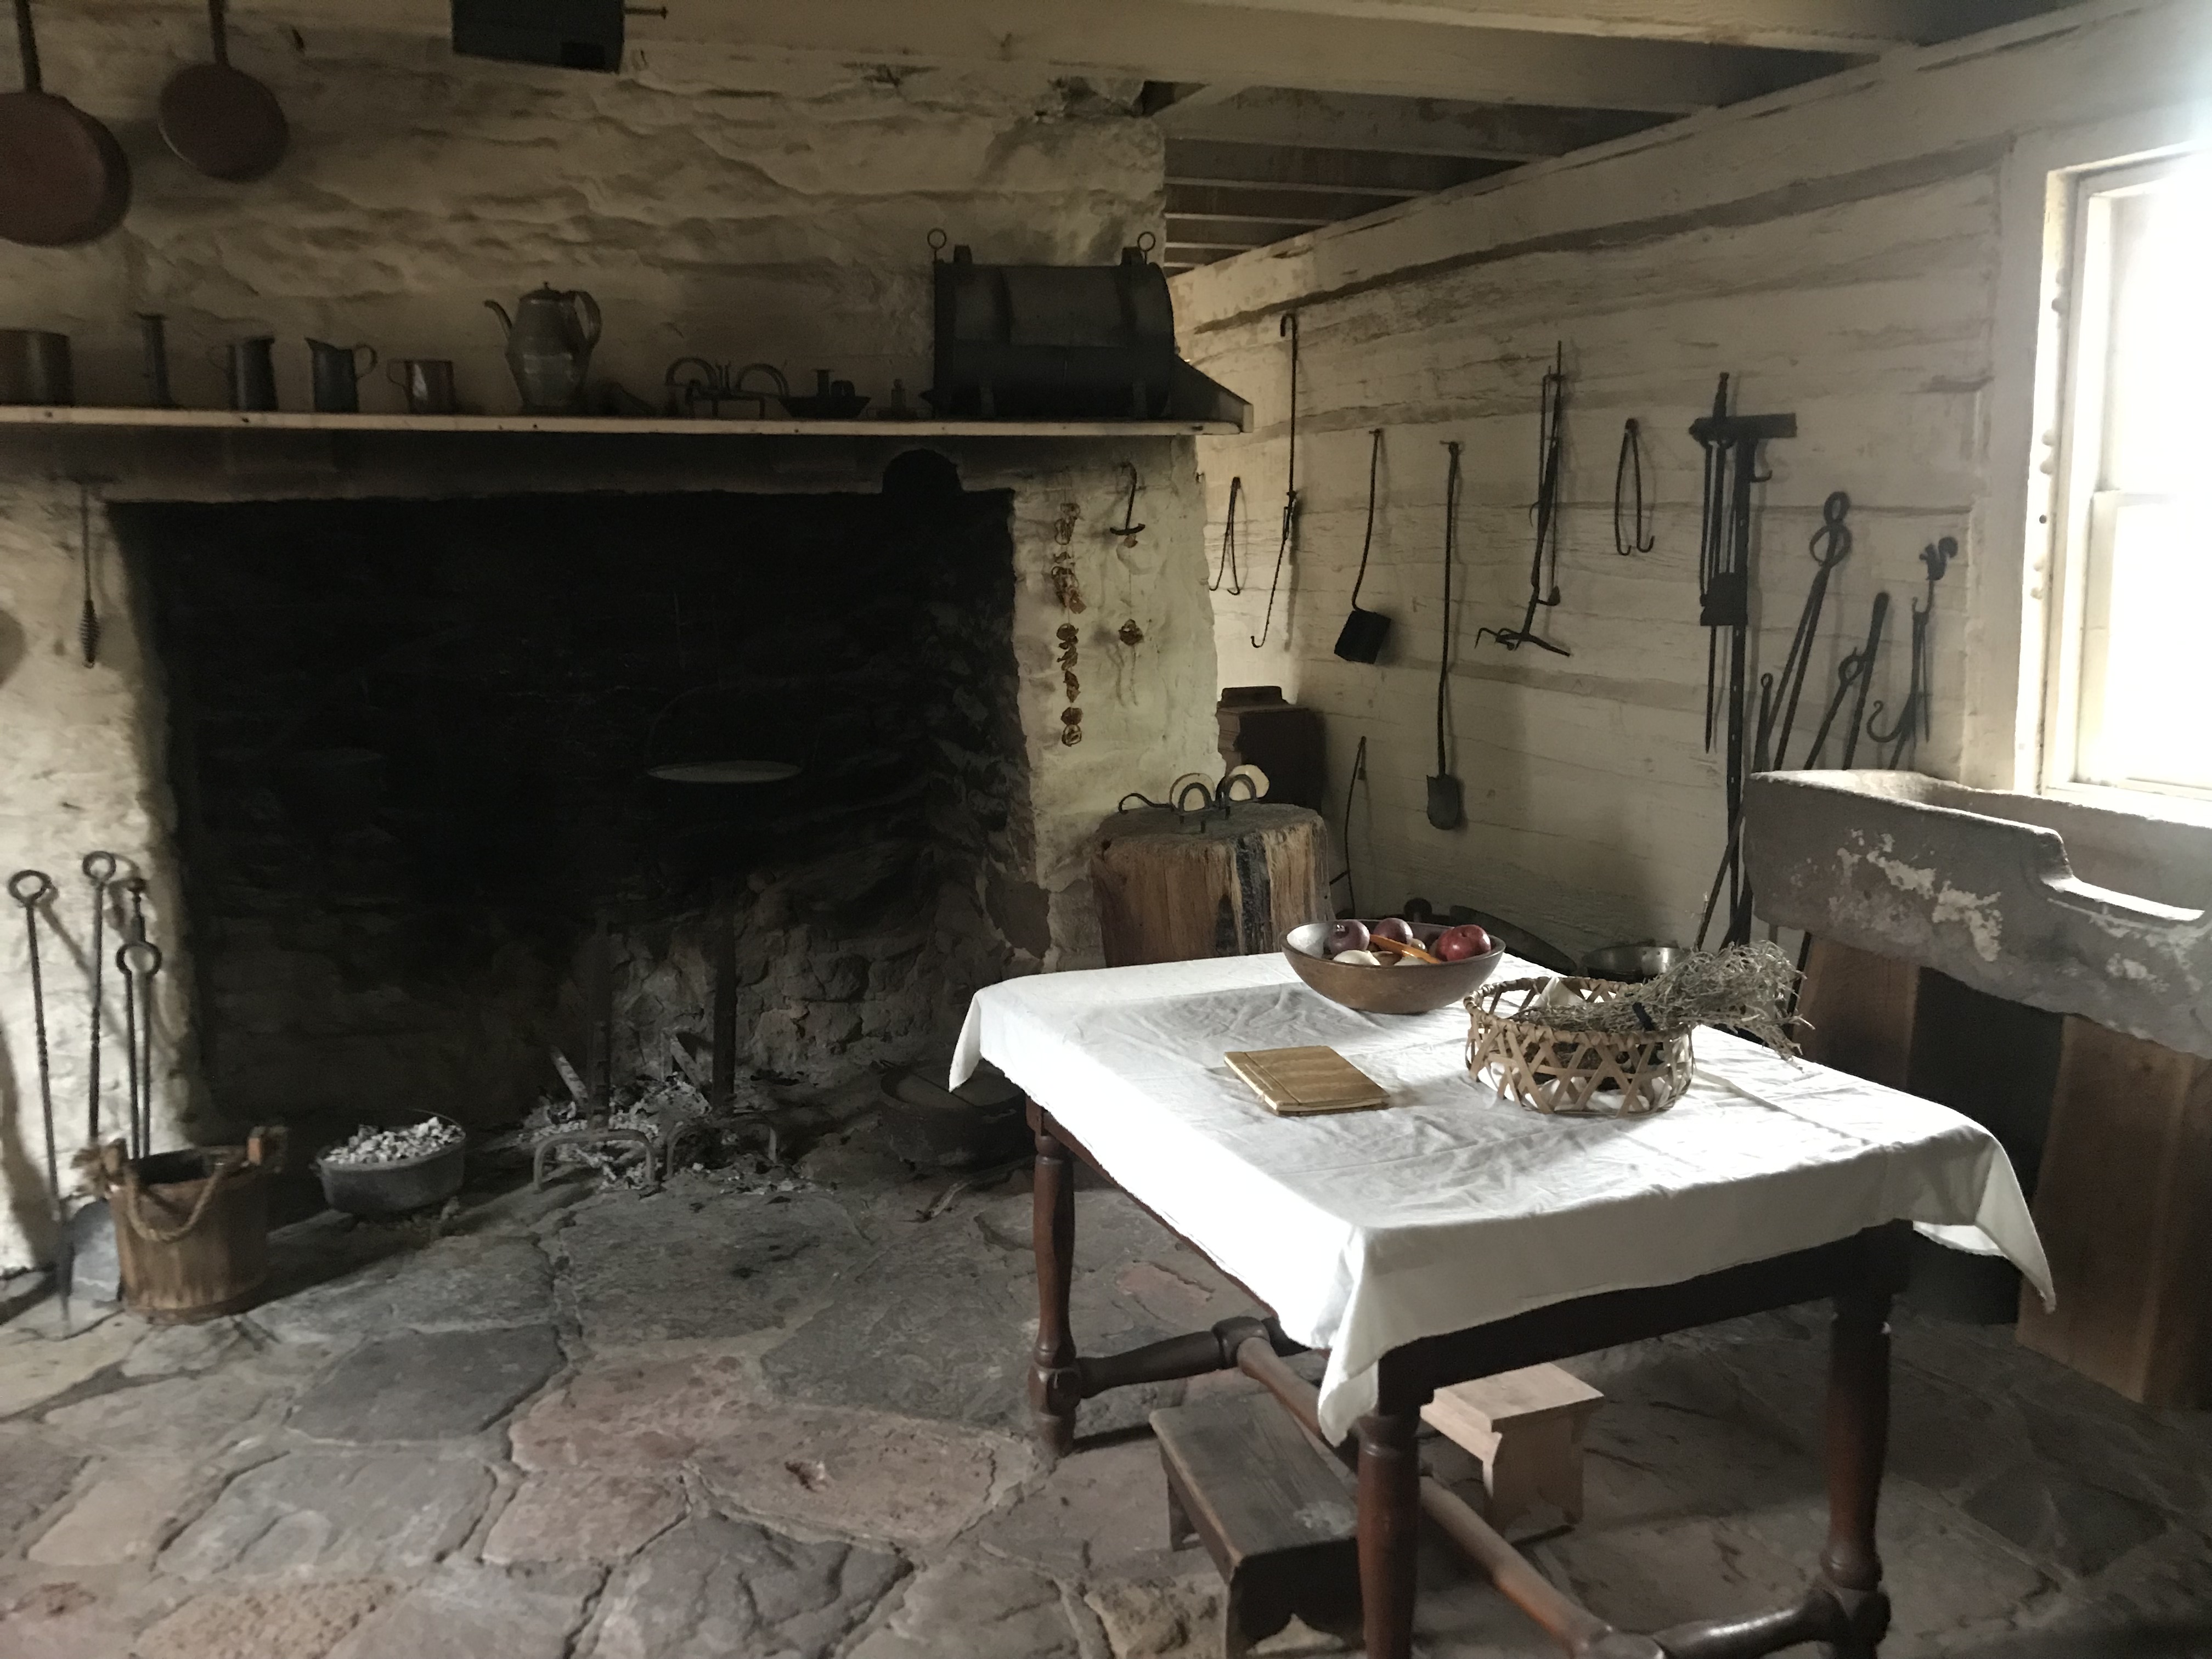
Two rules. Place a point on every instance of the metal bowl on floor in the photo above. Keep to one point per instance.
(1633, 963)
(399, 1187)
(1420, 989)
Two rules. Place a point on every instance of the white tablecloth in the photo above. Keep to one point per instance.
(1452, 1207)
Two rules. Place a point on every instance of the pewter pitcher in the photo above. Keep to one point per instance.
(549, 347)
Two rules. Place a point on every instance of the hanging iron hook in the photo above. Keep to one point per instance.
(1128, 528)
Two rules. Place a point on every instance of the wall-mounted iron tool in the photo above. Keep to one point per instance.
(1447, 801)
(1544, 560)
(88, 616)
(1351, 795)
(140, 960)
(1364, 631)
(1914, 719)
(1128, 530)
(99, 870)
(154, 345)
(1227, 570)
(1830, 546)
(1854, 674)
(33, 889)
(1731, 444)
(1631, 514)
(1288, 330)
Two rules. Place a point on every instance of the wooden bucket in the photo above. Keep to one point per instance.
(191, 1226)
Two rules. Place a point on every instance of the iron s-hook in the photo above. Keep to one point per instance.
(1128, 530)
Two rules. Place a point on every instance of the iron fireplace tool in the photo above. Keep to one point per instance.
(1290, 331)
(1915, 719)
(87, 619)
(31, 889)
(1544, 561)
(1351, 795)
(1830, 546)
(1855, 672)
(98, 870)
(1632, 521)
(1364, 631)
(1227, 571)
(139, 959)
(1731, 445)
(1447, 801)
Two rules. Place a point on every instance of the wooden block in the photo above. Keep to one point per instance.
(1275, 1512)
(1226, 886)
(2124, 1207)
(1527, 1427)
(1859, 1009)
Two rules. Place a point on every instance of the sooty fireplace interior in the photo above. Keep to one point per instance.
(422, 755)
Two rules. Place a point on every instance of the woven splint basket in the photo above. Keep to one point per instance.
(1589, 1073)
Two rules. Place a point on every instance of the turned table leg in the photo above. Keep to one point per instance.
(1857, 1443)
(1055, 1385)
(1389, 1516)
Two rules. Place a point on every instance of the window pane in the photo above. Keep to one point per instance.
(2157, 719)
(2159, 414)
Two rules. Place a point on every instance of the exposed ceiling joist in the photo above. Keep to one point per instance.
(1374, 172)
(1429, 127)
(1847, 27)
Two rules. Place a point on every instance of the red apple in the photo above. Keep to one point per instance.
(1458, 943)
(1395, 927)
(1346, 935)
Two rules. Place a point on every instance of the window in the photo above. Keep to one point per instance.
(2130, 703)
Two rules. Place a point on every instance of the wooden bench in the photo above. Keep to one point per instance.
(1274, 1512)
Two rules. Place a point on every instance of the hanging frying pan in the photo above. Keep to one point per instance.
(221, 120)
(63, 180)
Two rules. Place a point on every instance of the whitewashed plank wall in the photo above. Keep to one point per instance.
(1838, 250)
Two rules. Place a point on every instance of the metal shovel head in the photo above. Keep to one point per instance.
(1447, 804)
(1363, 635)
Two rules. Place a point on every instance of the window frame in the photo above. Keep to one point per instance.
(2083, 510)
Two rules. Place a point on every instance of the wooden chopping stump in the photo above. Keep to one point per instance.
(1170, 890)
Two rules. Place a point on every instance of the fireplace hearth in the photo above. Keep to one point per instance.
(414, 747)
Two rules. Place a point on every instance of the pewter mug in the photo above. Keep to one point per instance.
(336, 379)
(427, 381)
(34, 367)
(250, 367)
(549, 346)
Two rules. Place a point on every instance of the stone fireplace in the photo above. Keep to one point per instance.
(379, 716)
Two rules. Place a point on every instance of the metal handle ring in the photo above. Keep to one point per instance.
(99, 867)
(138, 951)
(30, 887)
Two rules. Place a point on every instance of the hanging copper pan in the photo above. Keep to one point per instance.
(63, 180)
(221, 120)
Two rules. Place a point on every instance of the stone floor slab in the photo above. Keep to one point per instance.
(692, 1262)
(864, 1475)
(976, 1608)
(135, 1505)
(303, 1622)
(448, 1284)
(429, 1385)
(583, 1515)
(629, 1414)
(35, 1472)
(62, 1620)
(469, 1612)
(177, 1417)
(35, 1370)
(1101, 1512)
(166, 1350)
(714, 1588)
(333, 1514)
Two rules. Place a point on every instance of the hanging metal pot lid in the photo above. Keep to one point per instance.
(221, 120)
(63, 180)
(724, 771)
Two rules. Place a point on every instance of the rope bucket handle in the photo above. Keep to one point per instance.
(264, 1149)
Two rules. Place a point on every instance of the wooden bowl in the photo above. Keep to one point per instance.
(1420, 989)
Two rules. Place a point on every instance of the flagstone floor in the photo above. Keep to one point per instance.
(700, 1423)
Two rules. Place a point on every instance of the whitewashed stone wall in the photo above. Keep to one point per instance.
(715, 203)
(1849, 251)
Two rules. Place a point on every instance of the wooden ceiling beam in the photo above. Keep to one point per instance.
(1852, 28)
(1434, 126)
(1193, 40)
(1375, 173)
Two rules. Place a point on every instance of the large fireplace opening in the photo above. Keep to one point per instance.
(436, 769)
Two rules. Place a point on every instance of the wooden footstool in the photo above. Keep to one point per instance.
(1274, 1512)
(1526, 1427)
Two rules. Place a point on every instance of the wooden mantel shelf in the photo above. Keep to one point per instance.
(225, 420)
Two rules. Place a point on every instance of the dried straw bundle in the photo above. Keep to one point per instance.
(1746, 987)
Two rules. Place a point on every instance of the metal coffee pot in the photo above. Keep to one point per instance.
(549, 347)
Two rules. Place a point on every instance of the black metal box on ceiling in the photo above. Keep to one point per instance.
(1065, 343)
(580, 34)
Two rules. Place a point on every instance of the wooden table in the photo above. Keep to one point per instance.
(1845, 1604)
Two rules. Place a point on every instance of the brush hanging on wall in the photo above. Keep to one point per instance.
(1544, 561)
